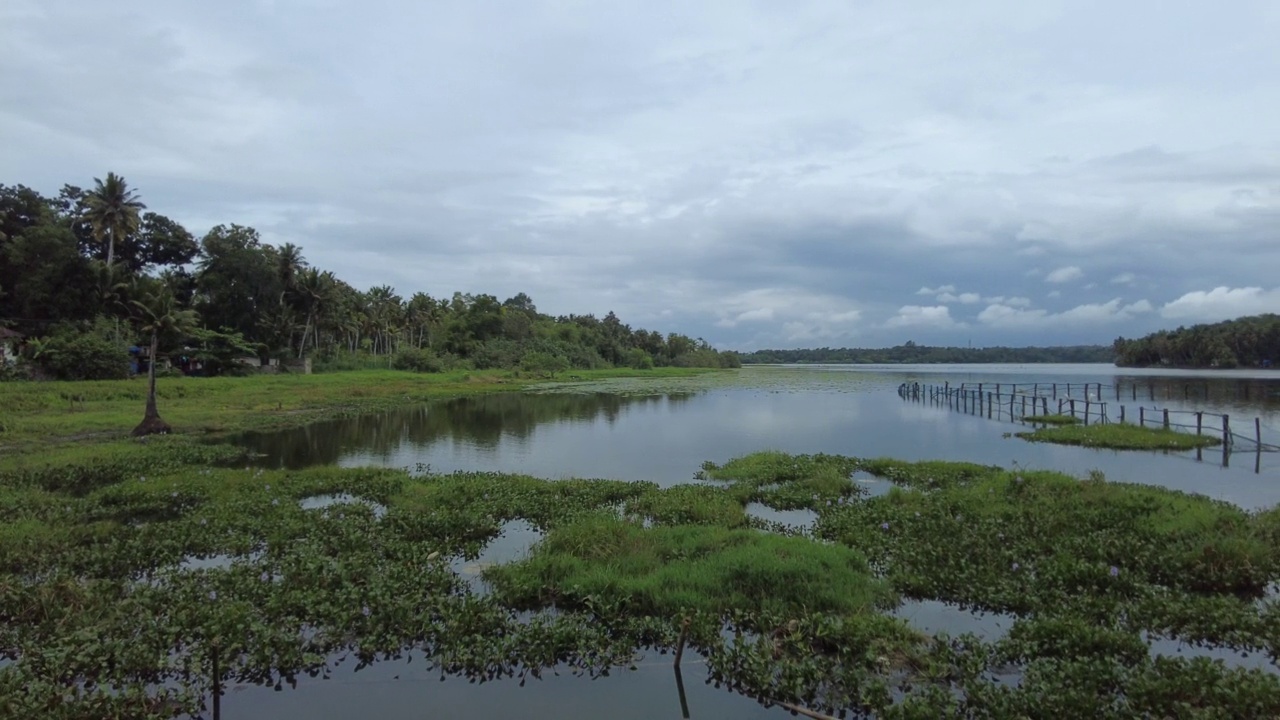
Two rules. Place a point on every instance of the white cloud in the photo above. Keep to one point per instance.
(938, 316)
(1125, 278)
(1087, 314)
(940, 290)
(967, 298)
(1222, 303)
(1064, 274)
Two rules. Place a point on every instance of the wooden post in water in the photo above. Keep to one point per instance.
(1257, 433)
(1134, 388)
(1024, 408)
(1166, 418)
(1012, 397)
(988, 406)
(1142, 416)
(1072, 405)
(1121, 413)
(1086, 410)
(1226, 429)
(1199, 421)
(1055, 391)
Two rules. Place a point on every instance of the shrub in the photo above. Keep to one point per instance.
(545, 363)
(72, 355)
(423, 361)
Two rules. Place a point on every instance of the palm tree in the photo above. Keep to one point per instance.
(315, 288)
(111, 209)
(160, 314)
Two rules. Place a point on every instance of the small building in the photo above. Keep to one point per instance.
(10, 342)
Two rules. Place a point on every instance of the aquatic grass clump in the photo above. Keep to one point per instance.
(928, 474)
(787, 482)
(1052, 419)
(669, 571)
(688, 505)
(1120, 436)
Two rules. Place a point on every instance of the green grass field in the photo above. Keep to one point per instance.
(37, 414)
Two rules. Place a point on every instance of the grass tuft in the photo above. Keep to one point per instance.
(1120, 436)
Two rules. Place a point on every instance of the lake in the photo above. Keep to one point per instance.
(663, 430)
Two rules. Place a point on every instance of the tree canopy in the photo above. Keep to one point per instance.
(1252, 341)
(87, 260)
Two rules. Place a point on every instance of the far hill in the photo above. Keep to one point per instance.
(912, 353)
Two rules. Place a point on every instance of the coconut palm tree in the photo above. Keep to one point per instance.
(111, 209)
(160, 314)
(315, 290)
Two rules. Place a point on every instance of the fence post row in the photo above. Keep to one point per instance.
(962, 398)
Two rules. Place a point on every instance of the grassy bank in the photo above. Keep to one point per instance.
(98, 591)
(1120, 436)
(39, 413)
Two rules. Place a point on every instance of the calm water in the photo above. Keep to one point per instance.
(663, 431)
(619, 430)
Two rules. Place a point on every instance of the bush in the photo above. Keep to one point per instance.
(423, 361)
(73, 355)
(546, 363)
(497, 353)
(638, 359)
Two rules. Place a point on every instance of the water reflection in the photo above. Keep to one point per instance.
(484, 423)
(665, 437)
(410, 688)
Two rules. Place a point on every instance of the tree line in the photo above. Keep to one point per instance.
(88, 273)
(1252, 341)
(913, 353)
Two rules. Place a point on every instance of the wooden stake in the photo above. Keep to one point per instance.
(684, 634)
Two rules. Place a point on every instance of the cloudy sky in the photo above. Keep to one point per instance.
(761, 174)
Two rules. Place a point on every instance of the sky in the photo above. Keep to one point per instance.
(758, 174)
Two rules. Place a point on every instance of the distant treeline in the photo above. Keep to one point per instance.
(912, 353)
(1252, 341)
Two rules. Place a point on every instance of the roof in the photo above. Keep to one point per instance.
(6, 333)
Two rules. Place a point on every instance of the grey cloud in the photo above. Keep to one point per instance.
(757, 175)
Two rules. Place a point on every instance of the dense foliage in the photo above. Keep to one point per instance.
(1252, 341)
(913, 353)
(68, 262)
(136, 578)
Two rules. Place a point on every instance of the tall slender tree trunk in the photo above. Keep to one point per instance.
(151, 379)
(151, 423)
(111, 246)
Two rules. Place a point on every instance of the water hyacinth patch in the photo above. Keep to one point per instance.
(1089, 571)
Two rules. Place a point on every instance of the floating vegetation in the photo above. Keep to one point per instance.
(136, 580)
(1120, 436)
(1052, 419)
